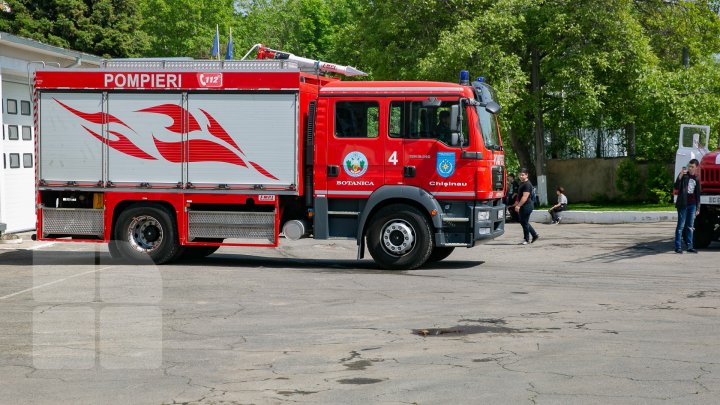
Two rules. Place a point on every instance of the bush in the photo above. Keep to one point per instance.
(601, 199)
(628, 181)
(659, 182)
(659, 196)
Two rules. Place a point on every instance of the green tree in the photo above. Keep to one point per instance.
(186, 28)
(103, 27)
(308, 28)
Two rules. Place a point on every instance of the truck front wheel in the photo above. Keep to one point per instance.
(400, 238)
(440, 253)
(146, 231)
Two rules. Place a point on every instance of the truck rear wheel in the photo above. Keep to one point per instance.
(146, 231)
(439, 253)
(702, 236)
(400, 238)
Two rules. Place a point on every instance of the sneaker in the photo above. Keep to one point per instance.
(534, 238)
(692, 250)
(678, 251)
(558, 221)
(523, 242)
(553, 222)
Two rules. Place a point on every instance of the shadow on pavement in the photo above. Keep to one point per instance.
(648, 248)
(85, 258)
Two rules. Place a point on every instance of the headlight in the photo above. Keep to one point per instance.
(501, 214)
(483, 215)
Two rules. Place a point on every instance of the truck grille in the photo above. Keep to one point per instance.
(710, 179)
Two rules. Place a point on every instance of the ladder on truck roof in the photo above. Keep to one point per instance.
(201, 65)
(312, 65)
(268, 60)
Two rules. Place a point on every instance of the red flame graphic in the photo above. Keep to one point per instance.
(219, 132)
(263, 171)
(176, 113)
(122, 144)
(95, 118)
(200, 150)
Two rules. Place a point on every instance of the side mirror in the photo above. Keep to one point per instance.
(454, 118)
(492, 107)
(454, 139)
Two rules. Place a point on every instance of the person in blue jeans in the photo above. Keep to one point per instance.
(687, 186)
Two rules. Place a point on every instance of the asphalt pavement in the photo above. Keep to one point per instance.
(589, 314)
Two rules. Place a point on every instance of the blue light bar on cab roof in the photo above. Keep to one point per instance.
(464, 77)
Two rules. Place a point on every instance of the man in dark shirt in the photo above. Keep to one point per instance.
(687, 186)
(525, 207)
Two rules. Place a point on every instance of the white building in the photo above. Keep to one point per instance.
(17, 147)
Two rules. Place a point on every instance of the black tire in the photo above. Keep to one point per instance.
(198, 252)
(146, 232)
(114, 251)
(439, 253)
(399, 238)
(702, 236)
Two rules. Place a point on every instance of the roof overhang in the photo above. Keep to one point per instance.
(41, 49)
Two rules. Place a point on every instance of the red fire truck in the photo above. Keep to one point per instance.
(171, 159)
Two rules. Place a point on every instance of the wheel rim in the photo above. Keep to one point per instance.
(145, 234)
(398, 237)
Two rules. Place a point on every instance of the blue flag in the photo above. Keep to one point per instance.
(229, 50)
(215, 53)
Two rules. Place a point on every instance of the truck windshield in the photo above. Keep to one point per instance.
(488, 127)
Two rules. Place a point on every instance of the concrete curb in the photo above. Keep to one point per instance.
(606, 217)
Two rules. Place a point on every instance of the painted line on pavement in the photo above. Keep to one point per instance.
(53, 282)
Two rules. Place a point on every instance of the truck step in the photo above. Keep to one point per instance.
(231, 225)
(454, 219)
(72, 221)
(344, 213)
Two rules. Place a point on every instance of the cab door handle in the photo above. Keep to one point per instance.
(409, 171)
(333, 170)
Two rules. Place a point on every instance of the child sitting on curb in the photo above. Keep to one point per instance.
(560, 206)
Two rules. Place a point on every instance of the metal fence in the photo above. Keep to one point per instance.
(586, 143)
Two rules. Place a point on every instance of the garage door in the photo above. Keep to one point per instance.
(17, 183)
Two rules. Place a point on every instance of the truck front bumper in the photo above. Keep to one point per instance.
(464, 224)
(489, 221)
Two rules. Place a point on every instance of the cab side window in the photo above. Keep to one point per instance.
(415, 120)
(397, 121)
(357, 119)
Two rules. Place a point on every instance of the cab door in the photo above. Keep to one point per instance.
(355, 149)
(394, 142)
(428, 153)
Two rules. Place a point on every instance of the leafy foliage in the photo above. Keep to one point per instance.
(186, 28)
(558, 65)
(103, 27)
(628, 181)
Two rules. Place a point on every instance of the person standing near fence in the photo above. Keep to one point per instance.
(525, 207)
(687, 186)
(511, 197)
(560, 206)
